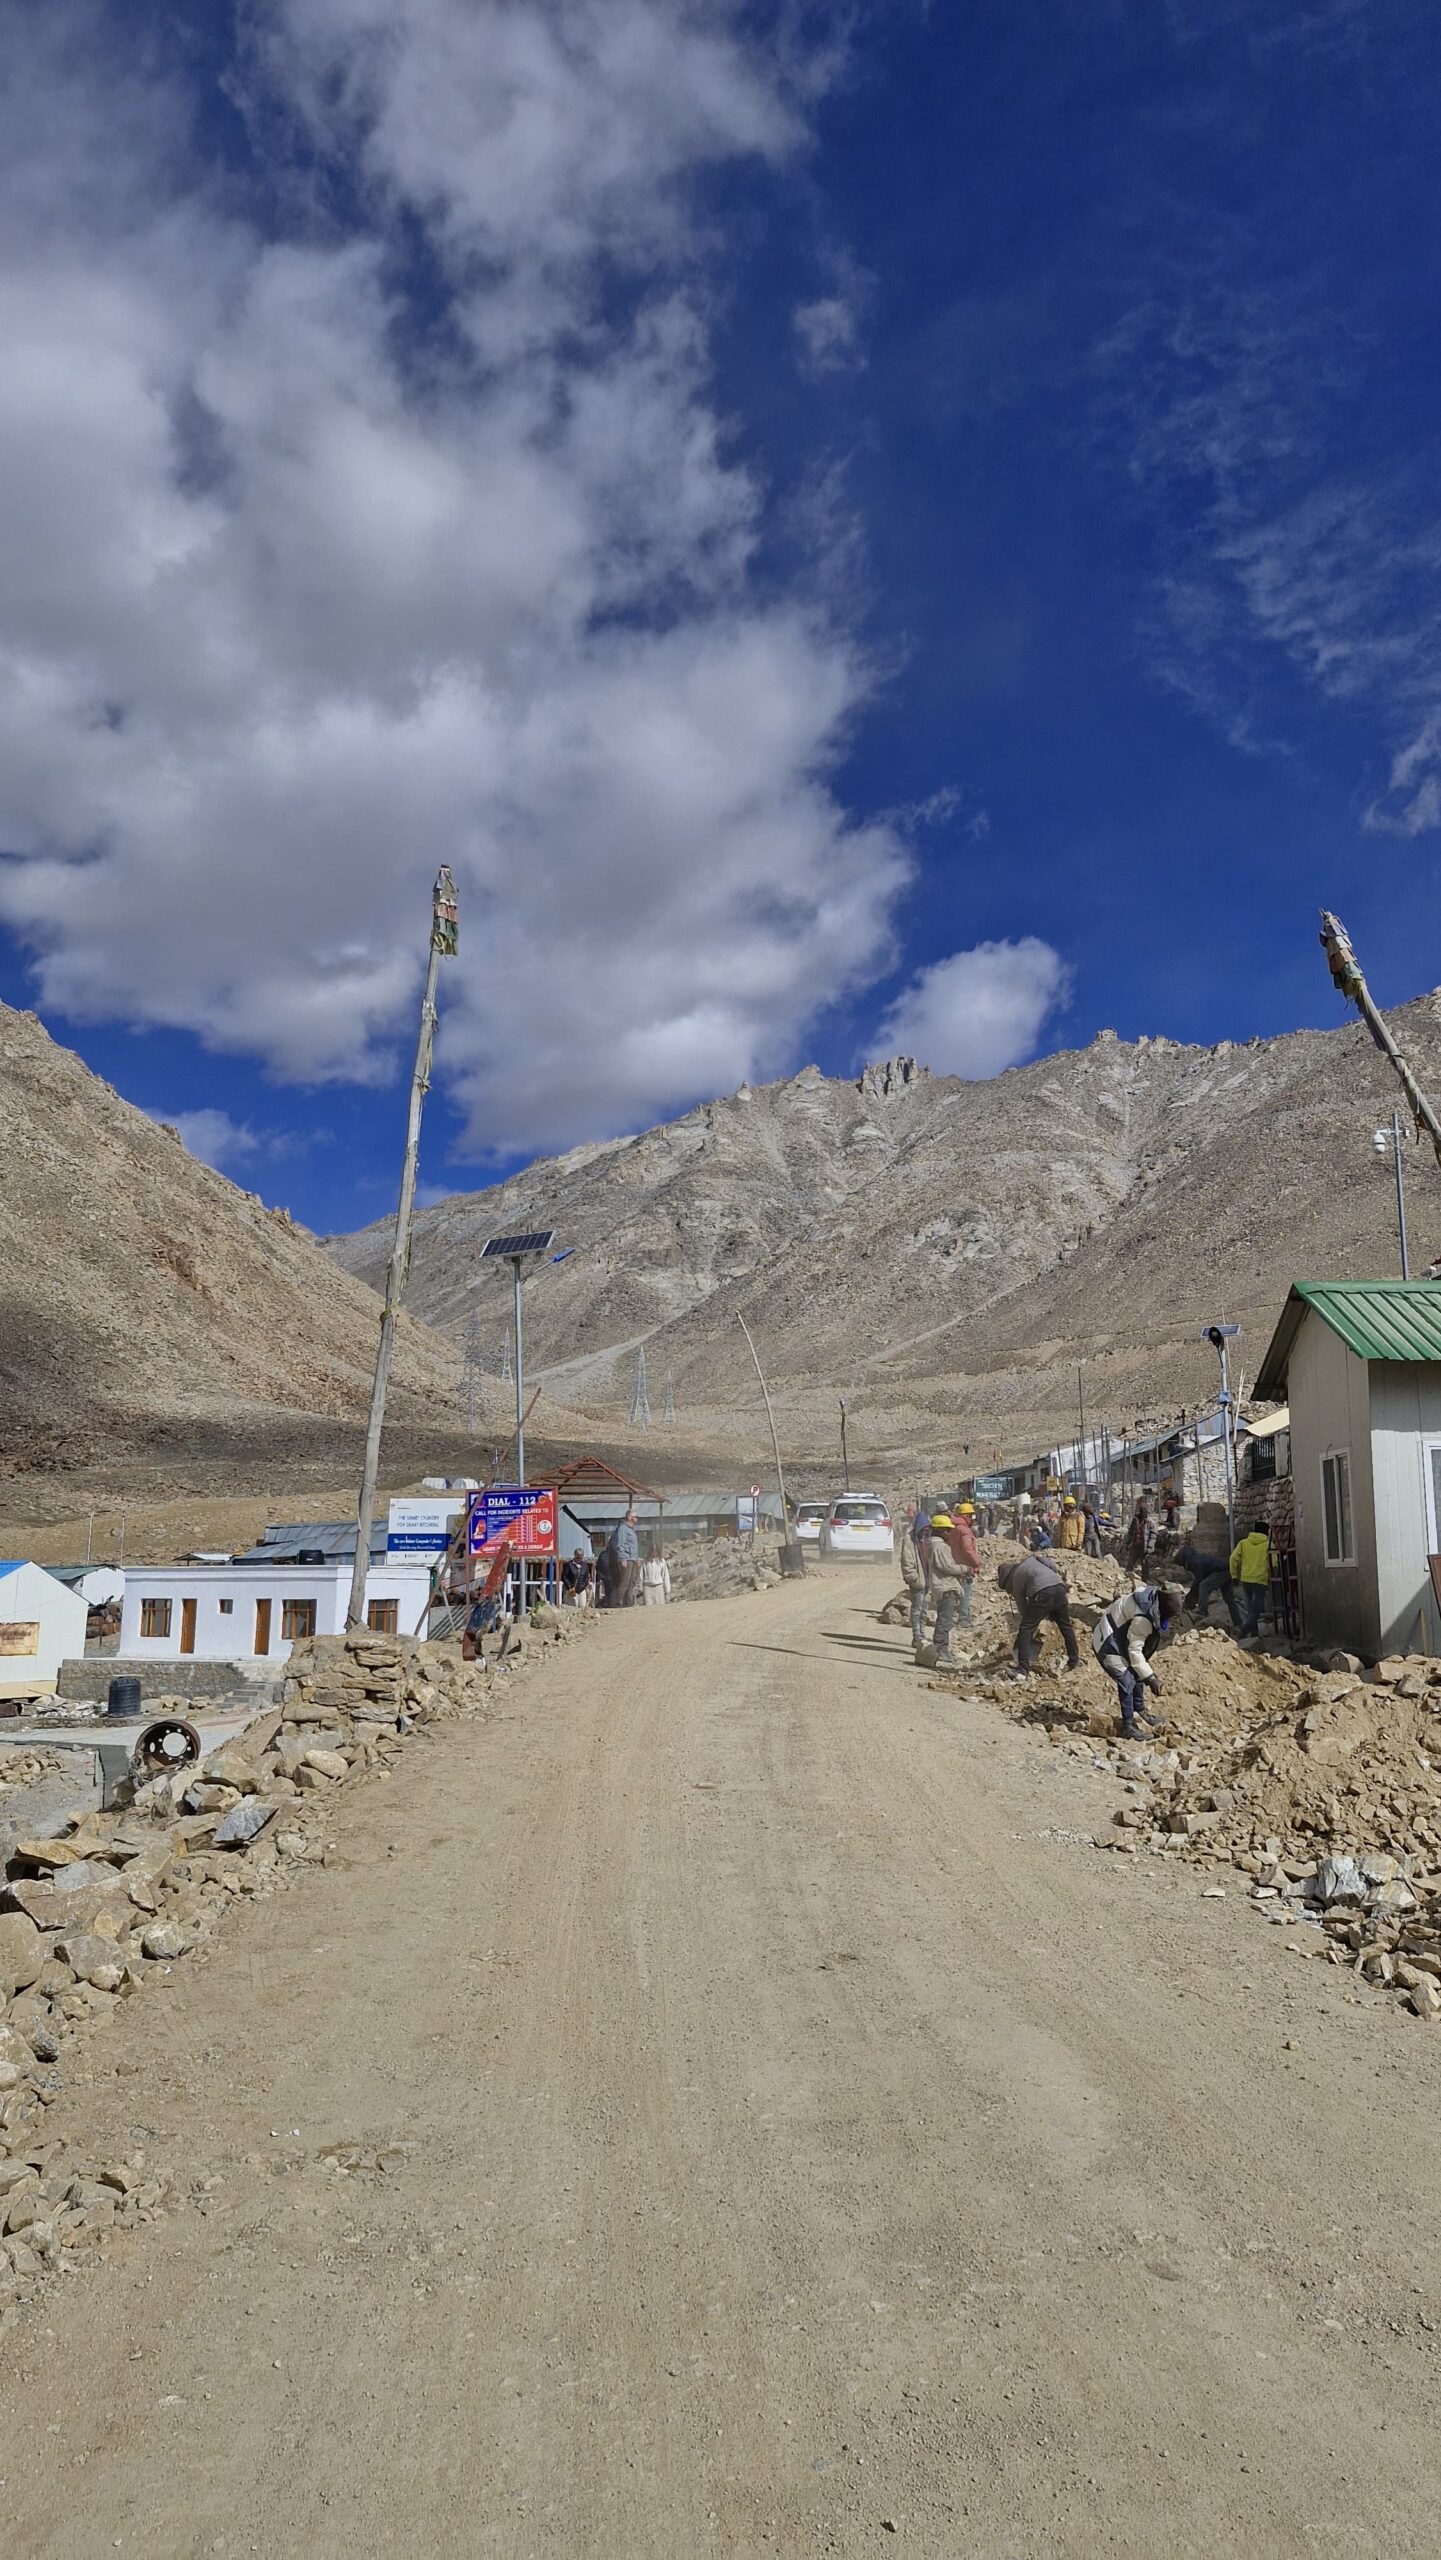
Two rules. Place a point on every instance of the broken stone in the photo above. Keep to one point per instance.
(244, 1822)
(92, 1959)
(22, 1953)
(327, 1764)
(164, 1940)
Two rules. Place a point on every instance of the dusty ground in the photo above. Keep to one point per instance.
(817, 2147)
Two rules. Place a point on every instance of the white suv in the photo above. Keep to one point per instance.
(859, 1525)
(810, 1519)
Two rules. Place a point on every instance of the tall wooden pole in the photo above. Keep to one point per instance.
(442, 947)
(770, 1417)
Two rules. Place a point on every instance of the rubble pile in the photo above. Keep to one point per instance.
(1322, 1787)
(89, 1917)
(22, 1768)
(719, 1568)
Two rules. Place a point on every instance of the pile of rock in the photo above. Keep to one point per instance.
(22, 1768)
(87, 1918)
(719, 1568)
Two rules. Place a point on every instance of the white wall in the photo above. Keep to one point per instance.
(1330, 1399)
(228, 1635)
(32, 1597)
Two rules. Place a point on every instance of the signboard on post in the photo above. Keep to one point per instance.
(422, 1527)
(521, 1515)
(990, 1488)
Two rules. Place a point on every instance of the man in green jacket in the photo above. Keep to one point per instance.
(1251, 1578)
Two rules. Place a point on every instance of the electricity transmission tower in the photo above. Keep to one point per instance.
(470, 1375)
(507, 1369)
(668, 1412)
(639, 1397)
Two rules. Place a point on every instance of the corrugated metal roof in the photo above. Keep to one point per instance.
(1266, 1425)
(334, 1539)
(1377, 1319)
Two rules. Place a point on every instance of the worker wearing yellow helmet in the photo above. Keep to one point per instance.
(1071, 1531)
(951, 1568)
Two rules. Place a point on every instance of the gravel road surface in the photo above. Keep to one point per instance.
(802, 2140)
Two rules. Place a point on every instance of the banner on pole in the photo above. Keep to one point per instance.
(521, 1514)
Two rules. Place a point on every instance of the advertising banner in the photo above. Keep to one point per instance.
(422, 1526)
(521, 1514)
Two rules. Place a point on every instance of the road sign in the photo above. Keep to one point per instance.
(755, 1493)
(418, 1528)
(990, 1488)
(520, 1515)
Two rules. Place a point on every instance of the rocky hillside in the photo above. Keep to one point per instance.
(148, 1305)
(944, 1254)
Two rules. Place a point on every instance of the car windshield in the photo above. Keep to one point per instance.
(811, 1511)
(852, 1511)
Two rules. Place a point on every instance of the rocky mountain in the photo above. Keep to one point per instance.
(148, 1306)
(945, 1254)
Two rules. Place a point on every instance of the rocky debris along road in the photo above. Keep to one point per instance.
(1321, 1786)
(719, 2102)
(117, 1899)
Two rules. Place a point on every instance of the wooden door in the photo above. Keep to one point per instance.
(262, 1626)
(187, 1626)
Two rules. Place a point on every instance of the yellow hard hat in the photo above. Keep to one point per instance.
(1070, 1503)
(968, 1511)
(942, 1520)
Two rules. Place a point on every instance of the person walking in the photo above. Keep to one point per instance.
(1039, 1592)
(654, 1581)
(1250, 1580)
(1123, 1640)
(1209, 1574)
(1090, 1528)
(913, 1575)
(1071, 1533)
(948, 1582)
(967, 1554)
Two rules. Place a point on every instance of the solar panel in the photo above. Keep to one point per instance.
(510, 1248)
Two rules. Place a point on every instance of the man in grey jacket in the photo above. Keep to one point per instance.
(623, 1549)
(1039, 1592)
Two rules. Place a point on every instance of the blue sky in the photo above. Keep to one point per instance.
(928, 537)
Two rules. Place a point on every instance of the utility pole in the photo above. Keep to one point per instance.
(770, 1417)
(668, 1414)
(845, 1453)
(1081, 1408)
(443, 934)
(1346, 974)
(515, 1264)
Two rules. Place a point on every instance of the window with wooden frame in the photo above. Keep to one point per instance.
(155, 1617)
(383, 1617)
(297, 1619)
(1338, 1537)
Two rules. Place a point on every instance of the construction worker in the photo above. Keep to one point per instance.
(1039, 1593)
(1071, 1532)
(913, 1575)
(1250, 1580)
(949, 1578)
(1125, 1636)
(1090, 1527)
(1209, 1574)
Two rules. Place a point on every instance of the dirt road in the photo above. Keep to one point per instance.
(816, 2147)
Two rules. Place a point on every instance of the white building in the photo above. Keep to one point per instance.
(250, 1610)
(41, 1625)
(1359, 1364)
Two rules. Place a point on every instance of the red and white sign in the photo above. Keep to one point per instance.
(755, 1493)
(520, 1516)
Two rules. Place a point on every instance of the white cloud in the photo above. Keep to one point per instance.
(828, 332)
(338, 547)
(977, 1011)
(212, 1136)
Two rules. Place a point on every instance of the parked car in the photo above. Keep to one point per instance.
(810, 1520)
(859, 1524)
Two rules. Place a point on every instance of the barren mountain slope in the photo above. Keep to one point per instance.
(947, 1252)
(145, 1300)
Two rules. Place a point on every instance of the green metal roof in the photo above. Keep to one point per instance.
(1377, 1319)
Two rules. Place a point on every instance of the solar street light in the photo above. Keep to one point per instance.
(533, 1246)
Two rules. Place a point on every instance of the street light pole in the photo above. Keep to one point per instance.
(1386, 1142)
(519, 1379)
(845, 1455)
(1218, 1335)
